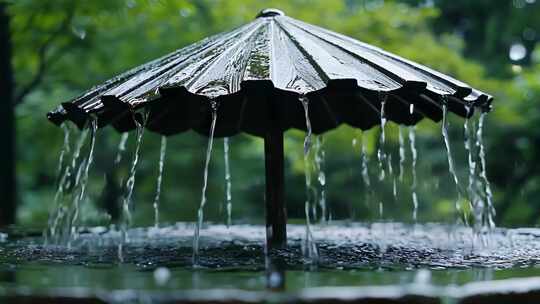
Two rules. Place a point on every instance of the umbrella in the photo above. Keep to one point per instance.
(258, 78)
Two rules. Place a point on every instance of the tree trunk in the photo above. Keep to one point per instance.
(7, 124)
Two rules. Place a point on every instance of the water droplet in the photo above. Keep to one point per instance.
(184, 12)
(79, 32)
(517, 52)
(121, 147)
(422, 276)
(162, 275)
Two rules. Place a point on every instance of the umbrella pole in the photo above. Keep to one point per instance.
(276, 213)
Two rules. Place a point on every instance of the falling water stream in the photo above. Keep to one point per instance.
(365, 164)
(130, 184)
(200, 212)
(64, 151)
(401, 141)
(414, 157)
(309, 247)
(451, 167)
(67, 184)
(320, 156)
(121, 147)
(381, 155)
(73, 179)
(483, 173)
(82, 181)
(475, 199)
(228, 184)
(162, 152)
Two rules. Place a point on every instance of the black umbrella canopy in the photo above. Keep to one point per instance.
(261, 70)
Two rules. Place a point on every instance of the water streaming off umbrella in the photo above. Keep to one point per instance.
(60, 221)
(487, 187)
(310, 247)
(65, 149)
(121, 147)
(414, 156)
(200, 212)
(81, 181)
(162, 152)
(127, 203)
(401, 141)
(381, 154)
(473, 186)
(228, 184)
(320, 155)
(451, 166)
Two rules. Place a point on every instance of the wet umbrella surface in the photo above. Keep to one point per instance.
(268, 76)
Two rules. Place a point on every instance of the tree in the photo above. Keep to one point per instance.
(7, 124)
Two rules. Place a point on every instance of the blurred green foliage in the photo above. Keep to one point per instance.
(90, 41)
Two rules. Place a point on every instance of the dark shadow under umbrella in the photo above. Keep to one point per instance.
(259, 79)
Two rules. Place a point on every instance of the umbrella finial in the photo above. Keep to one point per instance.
(270, 12)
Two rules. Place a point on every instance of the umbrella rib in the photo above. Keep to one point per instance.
(175, 67)
(377, 67)
(451, 82)
(245, 37)
(374, 108)
(430, 100)
(112, 82)
(316, 66)
(183, 55)
(328, 110)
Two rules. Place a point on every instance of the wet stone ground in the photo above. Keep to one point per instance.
(387, 246)
(357, 263)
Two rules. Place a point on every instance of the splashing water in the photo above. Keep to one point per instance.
(121, 147)
(130, 184)
(200, 212)
(320, 156)
(309, 246)
(82, 181)
(228, 184)
(483, 173)
(381, 155)
(414, 157)
(162, 152)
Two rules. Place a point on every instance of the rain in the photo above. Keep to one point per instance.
(217, 164)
